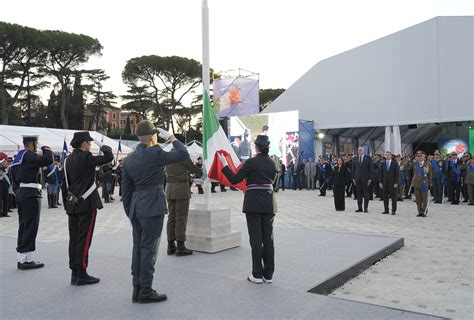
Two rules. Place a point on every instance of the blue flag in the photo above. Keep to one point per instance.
(65, 151)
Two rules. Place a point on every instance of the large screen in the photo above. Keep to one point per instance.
(281, 127)
(236, 96)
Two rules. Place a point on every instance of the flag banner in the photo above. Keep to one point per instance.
(65, 151)
(215, 171)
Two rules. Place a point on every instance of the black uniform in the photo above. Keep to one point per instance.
(26, 174)
(260, 208)
(439, 178)
(325, 173)
(453, 180)
(79, 170)
(4, 197)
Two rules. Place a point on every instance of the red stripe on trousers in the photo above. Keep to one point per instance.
(88, 240)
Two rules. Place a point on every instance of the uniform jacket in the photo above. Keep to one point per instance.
(442, 167)
(428, 171)
(50, 176)
(450, 174)
(29, 172)
(469, 179)
(144, 169)
(390, 177)
(177, 179)
(80, 170)
(362, 171)
(257, 170)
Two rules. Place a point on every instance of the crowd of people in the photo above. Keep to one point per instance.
(448, 177)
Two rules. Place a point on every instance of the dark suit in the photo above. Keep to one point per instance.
(389, 178)
(362, 172)
(80, 170)
(340, 176)
(145, 204)
(260, 209)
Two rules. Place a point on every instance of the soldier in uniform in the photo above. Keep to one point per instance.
(145, 204)
(466, 157)
(407, 175)
(259, 207)
(4, 186)
(26, 185)
(82, 203)
(178, 194)
(469, 180)
(422, 178)
(51, 175)
(325, 172)
(439, 178)
(453, 177)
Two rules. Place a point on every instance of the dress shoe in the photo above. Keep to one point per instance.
(419, 215)
(366, 211)
(358, 210)
(393, 213)
(136, 291)
(73, 277)
(182, 250)
(385, 212)
(27, 265)
(213, 191)
(84, 279)
(148, 295)
(252, 279)
(171, 248)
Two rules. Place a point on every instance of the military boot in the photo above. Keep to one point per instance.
(182, 250)
(171, 247)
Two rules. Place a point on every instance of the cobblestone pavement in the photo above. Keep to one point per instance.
(432, 274)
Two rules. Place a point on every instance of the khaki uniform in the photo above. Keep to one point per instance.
(407, 166)
(469, 183)
(178, 195)
(422, 197)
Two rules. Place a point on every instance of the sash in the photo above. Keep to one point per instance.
(55, 172)
(434, 163)
(424, 188)
(19, 158)
(471, 168)
(323, 170)
(403, 180)
(455, 169)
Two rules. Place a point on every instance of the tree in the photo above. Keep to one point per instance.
(128, 129)
(167, 79)
(21, 48)
(267, 96)
(76, 102)
(100, 100)
(65, 52)
(29, 102)
(139, 100)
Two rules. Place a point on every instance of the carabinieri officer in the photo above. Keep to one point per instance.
(27, 187)
(259, 207)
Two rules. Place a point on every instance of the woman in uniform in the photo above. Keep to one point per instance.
(259, 207)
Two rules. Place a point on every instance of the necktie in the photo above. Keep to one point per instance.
(360, 159)
(388, 165)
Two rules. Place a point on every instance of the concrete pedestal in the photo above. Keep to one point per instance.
(209, 229)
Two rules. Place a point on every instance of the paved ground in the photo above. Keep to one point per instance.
(433, 274)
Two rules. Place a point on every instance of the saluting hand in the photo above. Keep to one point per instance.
(105, 149)
(223, 160)
(43, 148)
(165, 134)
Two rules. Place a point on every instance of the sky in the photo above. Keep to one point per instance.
(280, 40)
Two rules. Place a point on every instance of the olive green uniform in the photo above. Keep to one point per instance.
(417, 182)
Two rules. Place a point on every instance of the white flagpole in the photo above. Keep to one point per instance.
(205, 85)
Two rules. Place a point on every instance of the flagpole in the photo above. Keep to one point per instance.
(205, 85)
(119, 147)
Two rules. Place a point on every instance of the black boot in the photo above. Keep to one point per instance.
(29, 265)
(182, 250)
(148, 295)
(171, 248)
(53, 201)
(136, 291)
(49, 202)
(83, 278)
(73, 277)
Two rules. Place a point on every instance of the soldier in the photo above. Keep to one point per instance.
(439, 178)
(325, 172)
(469, 181)
(463, 168)
(51, 176)
(4, 186)
(178, 194)
(82, 203)
(26, 185)
(453, 177)
(145, 204)
(421, 182)
(259, 208)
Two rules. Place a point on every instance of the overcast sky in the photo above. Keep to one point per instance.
(278, 39)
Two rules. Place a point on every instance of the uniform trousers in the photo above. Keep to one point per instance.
(260, 228)
(421, 200)
(470, 191)
(81, 229)
(29, 209)
(146, 241)
(339, 197)
(437, 190)
(178, 210)
(454, 191)
(4, 198)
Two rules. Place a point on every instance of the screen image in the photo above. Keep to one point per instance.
(457, 145)
(281, 127)
(236, 96)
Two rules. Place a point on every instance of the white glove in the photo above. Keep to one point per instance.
(98, 143)
(223, 159)
(164, 134)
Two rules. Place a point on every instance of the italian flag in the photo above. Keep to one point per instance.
(215, 141)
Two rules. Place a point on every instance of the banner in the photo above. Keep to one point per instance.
(236, 96)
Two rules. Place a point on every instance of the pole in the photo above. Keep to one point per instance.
(205, 85)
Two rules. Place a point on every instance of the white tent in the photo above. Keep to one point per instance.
(11, 140)
(193, 148)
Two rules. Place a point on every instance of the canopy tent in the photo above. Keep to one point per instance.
(11, 140)
(194, 149)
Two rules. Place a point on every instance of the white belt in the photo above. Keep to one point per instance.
(31, 185)
(89, 191)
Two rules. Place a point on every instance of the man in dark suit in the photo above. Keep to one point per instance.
(362, 170)
(389, 177)
(79, 183)
(145, 204)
